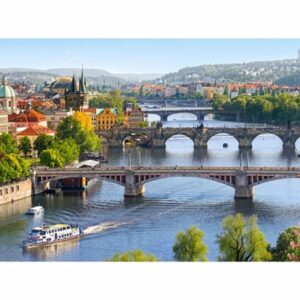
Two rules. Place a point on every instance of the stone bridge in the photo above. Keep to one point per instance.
(157, 137)
(242, 179)
(164, 113)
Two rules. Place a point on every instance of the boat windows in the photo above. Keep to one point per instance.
(42, 232)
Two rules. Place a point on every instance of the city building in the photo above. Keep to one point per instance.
(106, 119)
(76, 97)
(3, 121)
(19, 122)
(93, 112)
(60, 85)
(7, 96)
(134, 118)
(169, 91)
(56, 116)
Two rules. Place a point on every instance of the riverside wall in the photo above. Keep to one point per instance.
(15, 191)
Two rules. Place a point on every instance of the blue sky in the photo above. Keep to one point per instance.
(140, 55)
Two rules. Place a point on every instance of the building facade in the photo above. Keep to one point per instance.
(106, 119)
(134, 118)
(3, 121)
(7, 97)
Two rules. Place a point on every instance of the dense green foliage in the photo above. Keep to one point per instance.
(87, 140)
(242, 240)
(133, 256)
(25, 145)
(52, 158)
(67, 149)
(8, 144)
(282, 248)
(13, 167)
(277, 109)
(189, 245)
(43, 142)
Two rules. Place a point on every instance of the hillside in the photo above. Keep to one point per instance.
(241, 72)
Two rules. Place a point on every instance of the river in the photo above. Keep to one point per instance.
(151, 222)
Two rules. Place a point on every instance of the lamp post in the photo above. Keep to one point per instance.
(129, 159)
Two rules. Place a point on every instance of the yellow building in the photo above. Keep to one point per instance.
(106, 119)
(134, 118)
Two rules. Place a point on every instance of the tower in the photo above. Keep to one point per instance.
(76, 96)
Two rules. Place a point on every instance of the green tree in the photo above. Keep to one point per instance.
(282, 248)
(13, 167)
(133, 256)
(189, 245)
(8, 144)
(68, 150)
(68, 128)
(52, 159)
(43, 142)
(242, 240)
(25, 145)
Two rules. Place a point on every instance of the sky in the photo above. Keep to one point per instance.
(140, 55)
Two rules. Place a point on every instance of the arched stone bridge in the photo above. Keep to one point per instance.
(133, 179)
(157, 137)
(164, 113)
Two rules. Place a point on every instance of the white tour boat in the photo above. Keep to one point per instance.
(52, 234)
(37, 210)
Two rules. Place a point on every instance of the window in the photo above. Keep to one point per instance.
(12, 189)
(18, 188)
(0, 192)
(6, 191)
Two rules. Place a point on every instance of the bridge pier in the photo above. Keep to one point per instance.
(245, 143)
(200, 143)
(242, 189)
(132, 189)
(158, 143)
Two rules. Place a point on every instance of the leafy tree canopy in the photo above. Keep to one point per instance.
(133, 256)
(242, 240)
(189, 245)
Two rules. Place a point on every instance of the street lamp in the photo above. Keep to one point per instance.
(129, 159)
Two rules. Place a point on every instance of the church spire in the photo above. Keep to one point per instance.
(82, 83)
(73, 86)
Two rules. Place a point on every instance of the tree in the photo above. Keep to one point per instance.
(13, 167)
(43, 142)
(68, 150)
(189, 245)
(52, 158)
(25, 145)
(133, 256)
(242, 240)
(68, 128)
(283, 247)
(8, 144)
(84, 120)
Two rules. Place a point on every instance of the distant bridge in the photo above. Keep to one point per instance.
(164, 113)
(157, 137)
(134, 178)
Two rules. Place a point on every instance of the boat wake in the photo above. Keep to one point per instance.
(102, 226)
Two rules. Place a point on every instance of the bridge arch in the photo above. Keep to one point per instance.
(226, 181)
(178, 133)
(273, 179)
(184, 113)
(117, 180)
(253, 137)
(221, 134)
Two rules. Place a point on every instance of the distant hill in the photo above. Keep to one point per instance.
(241, 72)
(291, 80)
(94, 76)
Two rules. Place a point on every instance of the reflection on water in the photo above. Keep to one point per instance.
(14, 208)
(151, 222)
(46, 252)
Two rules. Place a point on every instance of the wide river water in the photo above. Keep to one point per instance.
(169, 205)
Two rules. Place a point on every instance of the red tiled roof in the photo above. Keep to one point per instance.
(36, 130)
